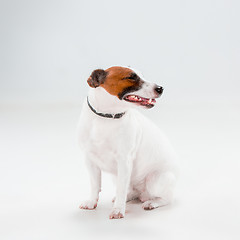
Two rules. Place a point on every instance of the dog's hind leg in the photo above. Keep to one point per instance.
(159, 190)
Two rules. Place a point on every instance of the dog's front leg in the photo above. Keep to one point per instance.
(123, 179)
(95, 183)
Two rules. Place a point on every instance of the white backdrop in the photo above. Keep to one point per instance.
(48, 48)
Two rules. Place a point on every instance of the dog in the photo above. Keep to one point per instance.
(118, 139)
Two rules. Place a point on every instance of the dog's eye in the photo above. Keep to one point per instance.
(133, 77)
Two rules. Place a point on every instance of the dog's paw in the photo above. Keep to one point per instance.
(149, 205)
(89, 204)
(116, 213)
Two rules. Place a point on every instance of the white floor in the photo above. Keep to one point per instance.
(43, 177)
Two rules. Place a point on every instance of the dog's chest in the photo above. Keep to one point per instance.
(103, 145)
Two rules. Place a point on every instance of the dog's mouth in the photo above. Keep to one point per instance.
(146, 102)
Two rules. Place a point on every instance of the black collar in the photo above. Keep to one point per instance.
(106, 115)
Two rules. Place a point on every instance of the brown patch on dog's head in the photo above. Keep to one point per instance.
(115, 80)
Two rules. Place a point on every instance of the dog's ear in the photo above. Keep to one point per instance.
(97, 77)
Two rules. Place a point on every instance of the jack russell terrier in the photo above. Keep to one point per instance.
(116, 138)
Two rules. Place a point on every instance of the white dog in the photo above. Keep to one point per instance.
(118, 139)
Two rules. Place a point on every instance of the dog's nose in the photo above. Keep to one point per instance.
(159, 90)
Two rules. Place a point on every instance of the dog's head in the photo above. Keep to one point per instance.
(126, 85)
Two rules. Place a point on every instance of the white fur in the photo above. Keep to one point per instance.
(132, 148)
